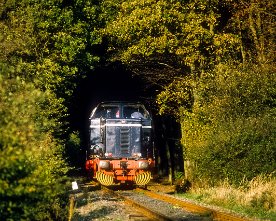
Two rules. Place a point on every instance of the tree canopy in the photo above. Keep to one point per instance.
(211, 62)
(201, 55)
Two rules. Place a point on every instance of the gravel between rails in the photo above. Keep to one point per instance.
(99, 205)
(173, 212)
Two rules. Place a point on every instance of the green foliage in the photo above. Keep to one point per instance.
(73, 149)
(32, 169)
(227, 113)
(253, 22)
(175, 95)
(264, 201)
(50, 41)
(48, 46)
(231, 132)
(174, 33)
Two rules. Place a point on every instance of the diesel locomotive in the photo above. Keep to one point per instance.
(121, 145)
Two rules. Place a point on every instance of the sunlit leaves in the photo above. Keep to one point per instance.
(145, 29)
(175, 95)
(46, 47)
(254, 22)
(49, 41)
(229, 133)
(185, 37)
(32, 166)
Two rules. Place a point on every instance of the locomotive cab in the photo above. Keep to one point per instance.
(121, 147)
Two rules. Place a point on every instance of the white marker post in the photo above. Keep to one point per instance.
(72, 200)
(75, 185)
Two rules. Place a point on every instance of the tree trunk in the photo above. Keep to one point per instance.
(256, 30)
(170, 169)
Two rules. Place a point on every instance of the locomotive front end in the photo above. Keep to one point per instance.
(121, 147)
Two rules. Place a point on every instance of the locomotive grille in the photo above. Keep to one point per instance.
(125, 140)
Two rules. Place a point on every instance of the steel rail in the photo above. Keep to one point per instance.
(195, 208)
(153, 215)
(186, 205)
(150, 214)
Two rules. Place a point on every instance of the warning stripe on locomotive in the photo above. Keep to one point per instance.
(104, 179)
(142, 178)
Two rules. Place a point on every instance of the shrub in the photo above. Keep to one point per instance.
(32, 168)
(230, 132)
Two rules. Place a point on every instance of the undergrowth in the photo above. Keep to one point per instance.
(255, 198)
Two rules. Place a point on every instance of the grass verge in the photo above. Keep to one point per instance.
(255, 198)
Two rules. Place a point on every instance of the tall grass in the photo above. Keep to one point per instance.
(255, 198)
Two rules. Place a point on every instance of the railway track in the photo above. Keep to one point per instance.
(200, 212)
(154, 209)
(195, 208)
(147, 213)
(148, 205)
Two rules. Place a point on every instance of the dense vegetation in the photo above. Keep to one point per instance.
(32, 168)
(44, 51)
(212, 62)
(215, 64)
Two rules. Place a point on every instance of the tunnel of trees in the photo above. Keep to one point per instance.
(206, 70)
(114, 83)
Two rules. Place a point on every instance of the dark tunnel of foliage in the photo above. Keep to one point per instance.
(205, 68)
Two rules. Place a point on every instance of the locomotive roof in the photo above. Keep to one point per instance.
(120, 102)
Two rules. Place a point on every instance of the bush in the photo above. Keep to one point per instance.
(230, 132)
(32, 169)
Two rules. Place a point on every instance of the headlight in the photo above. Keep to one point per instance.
(143, 165)
(104, 165)
(108, 154)
(137, 155)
